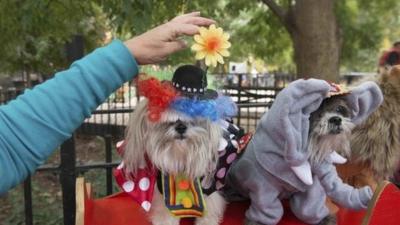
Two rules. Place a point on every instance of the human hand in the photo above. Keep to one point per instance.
(155, 45)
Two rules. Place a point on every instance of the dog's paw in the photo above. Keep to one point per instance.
(250, 222)
(329, 220)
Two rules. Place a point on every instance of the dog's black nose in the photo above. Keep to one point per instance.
(335, 120)
(180, 127)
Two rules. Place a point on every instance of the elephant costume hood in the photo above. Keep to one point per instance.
(283, 131)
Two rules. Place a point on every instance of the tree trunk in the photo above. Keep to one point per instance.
(316, 39)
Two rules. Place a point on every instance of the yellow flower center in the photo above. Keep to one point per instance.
(213, 44)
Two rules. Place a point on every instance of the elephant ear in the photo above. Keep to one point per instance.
(363, 100)
(289, 117)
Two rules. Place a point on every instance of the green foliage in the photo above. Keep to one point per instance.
(34, 33)
(133, 17)
(251, 24)
(364, 25)
(261, 35)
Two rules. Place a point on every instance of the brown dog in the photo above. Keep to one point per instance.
(375, 144)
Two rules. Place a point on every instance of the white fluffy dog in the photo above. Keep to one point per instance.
(176, 144)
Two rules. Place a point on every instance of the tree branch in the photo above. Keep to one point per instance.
(276, 9)
(280, 13)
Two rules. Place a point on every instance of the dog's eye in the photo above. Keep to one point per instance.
(342, 110)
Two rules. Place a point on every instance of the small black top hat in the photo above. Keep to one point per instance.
(191, 81)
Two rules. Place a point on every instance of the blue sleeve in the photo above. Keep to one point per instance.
(33, 125)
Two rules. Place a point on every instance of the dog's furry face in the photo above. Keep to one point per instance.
(175, 144)
(330, 128)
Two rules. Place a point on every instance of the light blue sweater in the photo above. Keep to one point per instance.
(33, 125)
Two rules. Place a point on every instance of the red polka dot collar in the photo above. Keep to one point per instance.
(139, 186)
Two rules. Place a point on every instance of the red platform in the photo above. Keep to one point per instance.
(119, 209)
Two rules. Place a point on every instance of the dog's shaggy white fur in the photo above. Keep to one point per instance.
(191, 149)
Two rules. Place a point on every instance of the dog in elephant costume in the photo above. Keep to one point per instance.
(277, 163)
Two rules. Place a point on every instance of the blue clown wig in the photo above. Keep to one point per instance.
(220, 108)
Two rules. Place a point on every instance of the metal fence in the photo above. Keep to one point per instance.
(254, 94)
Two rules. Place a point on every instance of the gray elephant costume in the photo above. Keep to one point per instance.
(265, 173)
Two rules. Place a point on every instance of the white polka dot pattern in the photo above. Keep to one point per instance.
(120, 166)
(222, 144)
(140, 185)
(146, 205)
(128, 186)
(144, 184)
(119, 143)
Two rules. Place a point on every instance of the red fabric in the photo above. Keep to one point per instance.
(119, 209)
(139, 186)
(386, 210)
(349, 217)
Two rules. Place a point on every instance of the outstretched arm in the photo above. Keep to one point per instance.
(33, 125)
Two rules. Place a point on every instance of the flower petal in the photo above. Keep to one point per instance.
(225, 44)
(200, 55)
(216, 33)
(224, 52)
(211, 44)
(219, 58)
(208, 60)
(196, 47)
(212, 27)
(225, 36)
(212, 56)
(199, 39)
(214, 62)
(219, 31)
(213, 59)
(203, 31)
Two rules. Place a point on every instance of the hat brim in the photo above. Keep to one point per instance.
(209, 94)
(341, 93)
(337, 90)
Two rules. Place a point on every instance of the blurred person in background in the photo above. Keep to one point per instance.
(390, 58)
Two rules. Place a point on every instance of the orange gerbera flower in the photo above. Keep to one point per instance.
(212, 45)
